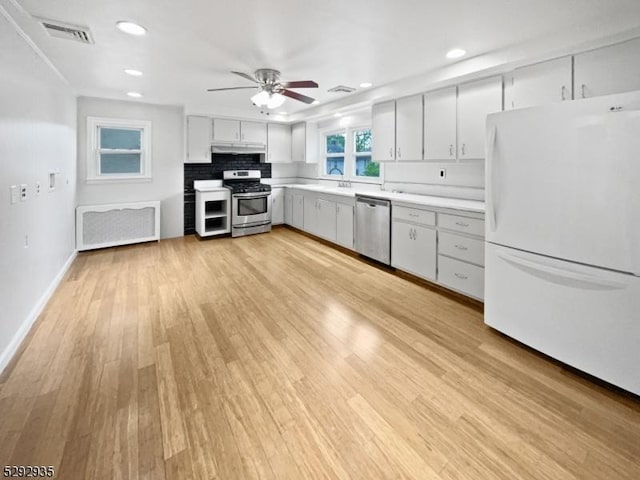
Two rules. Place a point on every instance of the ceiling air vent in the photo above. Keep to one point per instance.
(341, 89)
(66, 30)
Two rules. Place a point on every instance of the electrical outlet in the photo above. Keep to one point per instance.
(442, 174)
(15, 194)
(37, 188)
(23, 192)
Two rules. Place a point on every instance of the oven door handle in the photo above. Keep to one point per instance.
(251, 195)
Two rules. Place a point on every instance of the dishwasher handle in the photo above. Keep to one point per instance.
(373, 202)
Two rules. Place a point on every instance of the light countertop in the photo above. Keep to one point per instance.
(423, 200)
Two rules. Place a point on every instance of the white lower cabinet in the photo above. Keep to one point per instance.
(297, 211)
(413, 248)
(288, 208)
(213, 212)
(320, 218)
(461, 254)
(277, 206)
(344, 225)
(462, 247)
(461, 276)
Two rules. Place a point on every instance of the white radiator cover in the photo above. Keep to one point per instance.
(100, 226)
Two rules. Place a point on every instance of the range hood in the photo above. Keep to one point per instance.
(238, 148)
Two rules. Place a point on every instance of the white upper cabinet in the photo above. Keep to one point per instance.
(278, 143)
(304, 142)
(542, 83)
(198, 140)
(235, 131)
(383, 131)
(409, 128)
(225, 130)
(475, 101)
(253, 132)
(298, 139)
(440, 124)
(609, 70)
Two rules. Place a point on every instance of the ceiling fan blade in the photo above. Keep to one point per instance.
(247, 76)
(300, 84)
(297, 96)
(228, 88)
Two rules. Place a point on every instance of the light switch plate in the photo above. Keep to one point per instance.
(15, 194)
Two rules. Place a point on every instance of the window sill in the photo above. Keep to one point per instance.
(373, 181)
(99, 180)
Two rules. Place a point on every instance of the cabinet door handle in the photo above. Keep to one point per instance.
(464, 148)
(461, 247)
(414, 215)
(462, 224)
(415, 234)
(411, 233)
(391, 153)
(562, 90)
(399, 153)
(461, 276)
(451, 149)
(582, 93)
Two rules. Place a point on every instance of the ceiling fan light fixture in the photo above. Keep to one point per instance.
(275, 100)
(261, 98)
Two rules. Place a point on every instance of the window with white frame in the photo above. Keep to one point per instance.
(118, 150)
(347, 155)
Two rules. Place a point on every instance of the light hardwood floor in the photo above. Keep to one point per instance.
(275, 356)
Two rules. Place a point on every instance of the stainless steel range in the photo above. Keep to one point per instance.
(250, 202)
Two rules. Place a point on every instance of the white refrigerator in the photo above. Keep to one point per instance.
(562, 266)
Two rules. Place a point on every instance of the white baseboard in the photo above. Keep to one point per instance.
(12, 348)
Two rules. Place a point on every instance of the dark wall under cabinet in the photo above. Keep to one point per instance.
(213, 171)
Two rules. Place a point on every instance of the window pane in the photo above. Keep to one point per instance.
(335, 166)
(335, 143)
(366, 168)
(362, 141)
(120, 138)
(119, 163)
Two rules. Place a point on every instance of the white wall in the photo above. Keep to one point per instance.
(37, 136)
(167, 147)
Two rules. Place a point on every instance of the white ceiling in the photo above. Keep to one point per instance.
(192, 45)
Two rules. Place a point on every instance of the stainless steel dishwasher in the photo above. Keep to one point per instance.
(373, 228)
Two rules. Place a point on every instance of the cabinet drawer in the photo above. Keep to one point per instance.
(464, 248)
(473, 226)
(461, 276)
(414, 215)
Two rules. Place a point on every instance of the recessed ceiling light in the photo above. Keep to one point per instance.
(337, 114)
(133, 73)
(131, 28)
(456, 53)
(365, 85)
(134, 94)
(315, 102)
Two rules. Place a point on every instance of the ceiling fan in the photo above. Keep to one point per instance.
(272, 92)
